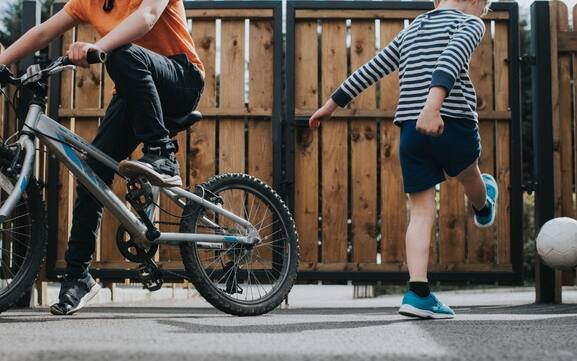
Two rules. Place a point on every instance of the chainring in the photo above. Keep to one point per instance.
(130, 250)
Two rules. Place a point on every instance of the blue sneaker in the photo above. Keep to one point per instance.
(424, 307)
(492, 195)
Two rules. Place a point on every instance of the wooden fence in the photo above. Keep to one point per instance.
(236, 46)
(347, 194)
(350, 207)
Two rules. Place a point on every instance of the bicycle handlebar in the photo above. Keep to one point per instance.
(6, 77)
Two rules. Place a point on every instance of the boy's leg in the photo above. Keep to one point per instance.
(418, 239)
(474, 186)
(153, 85)
(419, 301)
(116, 139)
(482, 191)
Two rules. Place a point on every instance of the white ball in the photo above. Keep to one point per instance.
(557, 243)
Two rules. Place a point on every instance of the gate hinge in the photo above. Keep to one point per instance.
(529, 187)
(528, 59)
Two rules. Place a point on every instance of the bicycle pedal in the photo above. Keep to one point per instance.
(150, 276)
(139, 193)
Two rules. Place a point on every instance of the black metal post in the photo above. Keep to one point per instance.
(516, 191)
(542, 138)
(29, 20)
(290, 105)
(278, 124)
(30, 17)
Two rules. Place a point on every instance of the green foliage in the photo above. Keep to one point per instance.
(11, 19)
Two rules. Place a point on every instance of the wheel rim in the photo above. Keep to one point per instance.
(258, 273)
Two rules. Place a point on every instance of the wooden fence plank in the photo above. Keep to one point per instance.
(201, 154)
(452, 222)
(364, 152)
(334, 148)
(481, 242)
(557, 10)
(306, 211)
(232, 130)
(232, 140)
(260, 146)
(261, 87)
(64, 205)
(503, 143)
(393, 198)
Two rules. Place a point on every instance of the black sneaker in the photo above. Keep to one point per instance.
(159, 165)
(74, 295)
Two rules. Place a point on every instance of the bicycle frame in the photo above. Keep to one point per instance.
(56, 137)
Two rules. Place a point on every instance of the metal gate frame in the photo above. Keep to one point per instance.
(516, 192)
(53, 186)
(547, 291)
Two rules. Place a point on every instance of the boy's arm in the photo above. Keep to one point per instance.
(384, 63)
(38, 37)
(138, 24)
(457, 54)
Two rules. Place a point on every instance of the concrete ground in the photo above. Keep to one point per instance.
(320, 323)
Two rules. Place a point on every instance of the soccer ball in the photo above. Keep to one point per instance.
(557, 243)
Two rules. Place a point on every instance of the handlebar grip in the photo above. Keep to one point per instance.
(93, 57)
(96, 57)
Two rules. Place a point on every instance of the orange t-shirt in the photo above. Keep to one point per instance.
(168, 37)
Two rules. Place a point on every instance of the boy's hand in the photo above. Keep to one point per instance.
(430, 122)
(322, 114)
(78, 51)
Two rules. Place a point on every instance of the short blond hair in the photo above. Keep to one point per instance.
(487, 5)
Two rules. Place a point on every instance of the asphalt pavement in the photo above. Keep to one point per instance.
(169, 332)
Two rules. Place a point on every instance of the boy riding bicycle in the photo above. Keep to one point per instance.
(156, 71)
(439, 131)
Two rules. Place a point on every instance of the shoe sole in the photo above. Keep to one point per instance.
(83, 302)
(410, 311)
(133, 169)
(479, 225)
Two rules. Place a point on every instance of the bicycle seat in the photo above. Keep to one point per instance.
(176, 124)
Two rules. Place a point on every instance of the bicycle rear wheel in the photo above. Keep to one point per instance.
(239, 279)
(22, 242)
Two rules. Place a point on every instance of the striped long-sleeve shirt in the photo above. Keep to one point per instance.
(434, 51)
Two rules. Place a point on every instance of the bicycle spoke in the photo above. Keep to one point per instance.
(7, 229)
(18, 217)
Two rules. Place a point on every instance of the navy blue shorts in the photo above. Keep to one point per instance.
(425, 159)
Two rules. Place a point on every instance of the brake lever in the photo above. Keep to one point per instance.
(61, 68)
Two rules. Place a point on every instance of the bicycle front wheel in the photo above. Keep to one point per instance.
(22, 242)
(239, 279)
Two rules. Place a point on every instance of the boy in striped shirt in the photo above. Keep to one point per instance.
(439, 127)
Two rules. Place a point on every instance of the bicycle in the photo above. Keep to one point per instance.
(237, 238)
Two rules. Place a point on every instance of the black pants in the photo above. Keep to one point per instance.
(148, 86)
